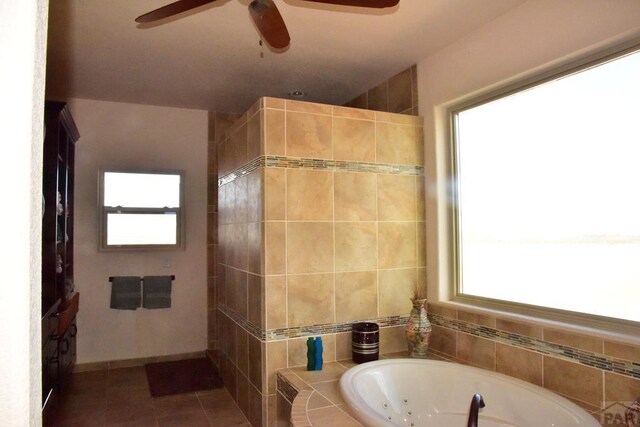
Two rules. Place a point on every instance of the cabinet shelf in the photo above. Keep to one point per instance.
(58, 353)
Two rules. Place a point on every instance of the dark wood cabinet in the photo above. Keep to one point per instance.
(59, 300)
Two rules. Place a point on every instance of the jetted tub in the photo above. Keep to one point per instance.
(421, 393)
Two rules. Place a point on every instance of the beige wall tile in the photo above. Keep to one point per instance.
(239, 249)
(378, 98)
(354, 140)
(356, 246)
(274, 103)
(309, 195)
(310, 299)
(231, 338)
(275, 194)
(228, 203)
(447, 312)
(308, 135)
(309, 107)
(309, 247)
(254, 137)
(255, 362)
(396, 198)
(571, 339)
(443, 340)
(256, 291)
(400, 92)
(257, 409)
(275, 247)
(221, 288)
(255, 200)
(255, 244)
(356, 296)
(276, 306)
(392, 339)
(233, 280)
(523, 364)
(521, 328)
(276, 359)
(237, 149)
(274, 133)
(622, 351)
(476, 318)
(242, 306)
(242, 349)
(355, 196)
(396, 244)
(297, 352)
(353, 113)
(242, 384)
(395, 144)
(476, 351)
(343, 346)
(620, 388)
(572, 379)
(422, 281)
(421, 243)
(419, 132)
(395, 289)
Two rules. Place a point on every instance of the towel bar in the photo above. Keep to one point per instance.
(173, 277)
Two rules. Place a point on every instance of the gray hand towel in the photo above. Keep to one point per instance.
(156, 292)
(125, 292)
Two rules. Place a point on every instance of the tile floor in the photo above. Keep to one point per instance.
(120, 397)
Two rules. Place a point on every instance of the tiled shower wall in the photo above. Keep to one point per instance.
(399, 94)
(218, 124)
(321, 223)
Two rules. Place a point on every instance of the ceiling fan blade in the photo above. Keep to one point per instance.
(361, 3)
(171, 9)
(270, 23)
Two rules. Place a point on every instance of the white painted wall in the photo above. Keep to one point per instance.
(120, 135)
(23, 33)
(534, 36)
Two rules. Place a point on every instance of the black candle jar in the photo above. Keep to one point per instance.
(365, 342)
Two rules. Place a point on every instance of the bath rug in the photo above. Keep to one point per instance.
(182, 376)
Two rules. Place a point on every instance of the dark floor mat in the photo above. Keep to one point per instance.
(182, 376)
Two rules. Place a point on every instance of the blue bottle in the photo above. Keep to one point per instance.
(311, 354)
(318, 366)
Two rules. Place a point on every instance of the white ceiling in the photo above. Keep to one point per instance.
(209, 58)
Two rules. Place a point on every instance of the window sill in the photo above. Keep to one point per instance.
(626, 333)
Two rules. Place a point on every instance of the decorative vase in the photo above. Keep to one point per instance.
(418, 330)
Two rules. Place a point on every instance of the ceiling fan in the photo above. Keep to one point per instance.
(265, 14)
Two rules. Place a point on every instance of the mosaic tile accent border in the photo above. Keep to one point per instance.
(584, 357)
(306, 331)
(319, 164)
(330, 328)
(588, 358)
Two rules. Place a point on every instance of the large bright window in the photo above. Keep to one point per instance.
(547, 195)
(141, 210)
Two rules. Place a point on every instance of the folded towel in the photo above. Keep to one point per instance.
(156, 292)
(125, 292)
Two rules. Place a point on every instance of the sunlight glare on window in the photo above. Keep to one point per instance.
(548, 206)
(141, 190)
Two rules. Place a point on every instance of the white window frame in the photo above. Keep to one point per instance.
(449, 292)
(103, 212)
